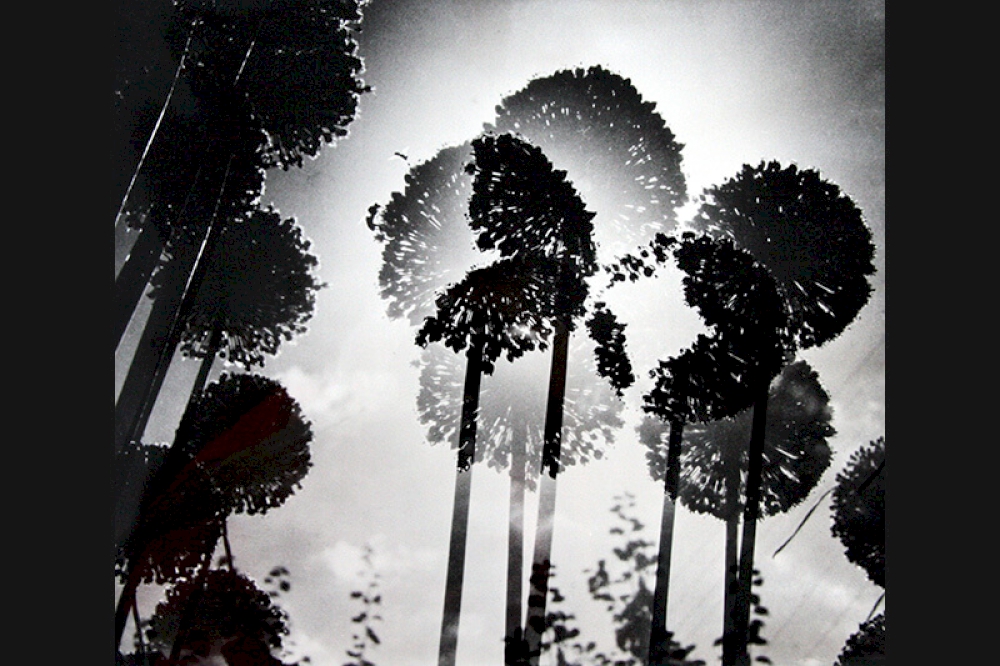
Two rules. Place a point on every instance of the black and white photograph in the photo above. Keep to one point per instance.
(499, 332)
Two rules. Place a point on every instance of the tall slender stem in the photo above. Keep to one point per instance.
(159, 120)
(134, 428)
(658, 635)
(134, 276)
(138, 627)
(132, 279)
(448, 646)
(515, 544)
(156, 349)
(542, 560)
(226, 545)
(211, 350)
(750, 513)
(729, 593)
(125, 600)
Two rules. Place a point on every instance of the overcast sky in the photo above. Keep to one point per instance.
(737, 82)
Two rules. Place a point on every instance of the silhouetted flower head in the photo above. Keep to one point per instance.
(520, 204)
(609, 336)
(512, 407)
(174, 530)
(592, 125)
(737, 299)
(859, 509)
(866, 646)
(614, 147)
(714, 454)
(291, 66)
(226, 606)
(181, 172)
(259, 290)
(427, 241)
(172, 552)
(250, 438)
(505, 308)
(242, 447)
(266, 82)
(809, 235)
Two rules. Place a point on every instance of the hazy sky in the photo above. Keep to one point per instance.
(737, 82)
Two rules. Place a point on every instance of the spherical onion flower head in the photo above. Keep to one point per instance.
(809, 235)
(176, 155)
(866, 645)
(223, 606)
(503, 309)
(594, 127)
(859, 509)
(529, 213)
(426, 238)
(184, 169)
(613, 145)
(259, 290)
(715, 377)
(242, 447)
(175, 528)
(430, 243)
(512, 407)
(714, 456)
(521, 204)
(292, 67)
(250, 438)
(172, 553)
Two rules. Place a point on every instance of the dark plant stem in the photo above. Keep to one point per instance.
(135, 273)
(541, 561)
(138, 626)
(875, 606)
(659, 639)
(729, 593)
(803, 521)
(448, 645)
(226, 545)
(125, 601)
(731, 575)
(134, 276)
(212, 349)
(141, 378)
(211, 352)
(159, 342)
(164, 325)
(515, 540)
(197, 276)
(159, 120)
(751, 512)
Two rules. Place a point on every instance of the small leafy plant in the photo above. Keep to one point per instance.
(365, 621)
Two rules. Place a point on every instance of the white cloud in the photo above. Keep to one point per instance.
(316, 394)
(345, 561)
(329, 398)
